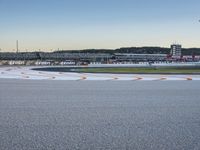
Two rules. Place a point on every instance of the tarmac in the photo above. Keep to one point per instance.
(70, 115)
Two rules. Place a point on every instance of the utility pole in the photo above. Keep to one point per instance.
(17, 46)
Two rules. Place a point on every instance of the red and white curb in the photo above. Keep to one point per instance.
(28, 74)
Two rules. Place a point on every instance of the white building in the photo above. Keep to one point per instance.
(176, 50)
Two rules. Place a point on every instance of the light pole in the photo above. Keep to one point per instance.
(17, 46)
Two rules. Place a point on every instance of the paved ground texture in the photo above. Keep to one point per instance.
(62, 115)
(27, 73)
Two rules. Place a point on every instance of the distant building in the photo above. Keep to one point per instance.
(176, 50)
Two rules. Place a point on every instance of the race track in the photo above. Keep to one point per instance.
(99, 115)
(29, 74)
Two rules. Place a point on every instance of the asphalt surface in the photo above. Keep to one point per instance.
(99, 115)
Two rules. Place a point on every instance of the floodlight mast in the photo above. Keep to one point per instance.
(17, 46)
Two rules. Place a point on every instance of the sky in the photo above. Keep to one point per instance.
(101, 24)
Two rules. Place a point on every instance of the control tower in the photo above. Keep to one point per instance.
(176, 50)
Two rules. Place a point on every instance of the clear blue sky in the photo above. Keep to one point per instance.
(82, 24)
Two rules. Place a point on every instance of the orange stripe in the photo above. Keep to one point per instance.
(189, 79)
(163, 78)
(138, 78)
(82, 78)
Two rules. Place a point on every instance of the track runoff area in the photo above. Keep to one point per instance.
(29, 73)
